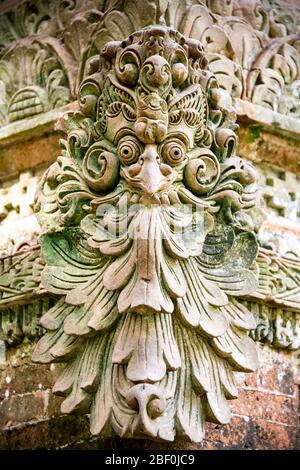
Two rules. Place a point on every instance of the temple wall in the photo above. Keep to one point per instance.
(266, 413)
(264, 417)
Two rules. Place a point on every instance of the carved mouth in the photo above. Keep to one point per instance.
(177, 194)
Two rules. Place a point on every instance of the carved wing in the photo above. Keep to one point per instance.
(212, 327)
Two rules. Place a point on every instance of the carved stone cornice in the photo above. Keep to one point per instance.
(19, 322)
(276, 327)
(252, 47)
(20, 276)
(278, 279)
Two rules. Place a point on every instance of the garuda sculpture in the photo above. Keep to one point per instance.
(148, 237)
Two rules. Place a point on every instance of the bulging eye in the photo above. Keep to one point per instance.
(173, 152)
(129, 151)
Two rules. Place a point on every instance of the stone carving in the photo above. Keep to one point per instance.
(17, 199)
(276, 327)
(273, 81)
(20, 274)
(252, 47)
(46, 81)
(42, 18)
(280, 191)
(42, 46)
(148, 237)
(21, 322)
(280, 205)
(279, 279)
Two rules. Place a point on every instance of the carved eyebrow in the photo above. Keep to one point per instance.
(120, 92)
(190, 106)
(178, 136)
(125, 132)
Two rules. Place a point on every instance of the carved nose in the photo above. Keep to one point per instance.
(153, 175)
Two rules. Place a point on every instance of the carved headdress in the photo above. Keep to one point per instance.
(148, 240)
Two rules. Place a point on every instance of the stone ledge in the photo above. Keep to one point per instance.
(34, 127)
(259, 127)
(30, 143)
(275, 304)
(40, 124)
(282, 124)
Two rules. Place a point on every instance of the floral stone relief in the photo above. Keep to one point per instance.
(252, 47)
(45, 81)
(148, 238)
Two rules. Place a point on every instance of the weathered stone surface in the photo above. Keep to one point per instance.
(277, 317)
(27, 155)
(260, 146)
(252, 48)
(249, 428)
(149, 291)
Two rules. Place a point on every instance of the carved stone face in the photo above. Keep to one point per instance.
(149, 240)
(156, 118)
(155, 115)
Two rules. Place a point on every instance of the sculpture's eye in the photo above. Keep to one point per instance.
(173, 152)
(129, 151)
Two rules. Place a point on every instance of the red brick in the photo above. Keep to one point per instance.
(277, 377)
(30, 415)
(233, 435)
(272, 436)
(32, 436)
(28, 378)
(285, 380)
(46, 434)
(23, 408)
(54, 405)
(266, 406)
(266, 377)
(246, 380)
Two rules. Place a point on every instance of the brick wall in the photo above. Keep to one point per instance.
(264, 417)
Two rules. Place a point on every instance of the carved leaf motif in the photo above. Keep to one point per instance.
(80, 273)
(227, 265)
(109, 409)
(147, 345)
(200, 306)
(190, 413)
(85, 377)
(47, 83)
(210, 375)
(56, 346)
(238, 348)
(148, 243)
(190, 106)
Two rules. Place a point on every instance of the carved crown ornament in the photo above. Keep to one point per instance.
(252, 47)
(148, 238)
